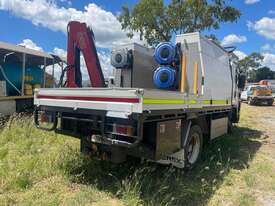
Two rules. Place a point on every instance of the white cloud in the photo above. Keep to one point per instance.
(233, 39)
(268, 47)
(46, 13)
(30, 45)
(271, 12)
(240, 54)
(269, 60)
(60, 52)
(264, 27)
(68, 2)
(104, 58)
(252, 1)
(105, 62)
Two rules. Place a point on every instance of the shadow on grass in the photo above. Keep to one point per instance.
(152, 184)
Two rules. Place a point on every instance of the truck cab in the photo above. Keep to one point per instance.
(257, 94)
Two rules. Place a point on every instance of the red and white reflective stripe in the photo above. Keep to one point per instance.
(97, 99)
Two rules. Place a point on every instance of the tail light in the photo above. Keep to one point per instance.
(119, 129)
(123, 130)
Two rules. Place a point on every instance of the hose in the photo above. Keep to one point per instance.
(6, 78)
(60, 83)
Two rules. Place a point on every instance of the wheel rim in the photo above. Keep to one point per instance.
(193, 148)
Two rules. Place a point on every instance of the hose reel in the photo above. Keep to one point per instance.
(122, 59)
(165, 53)
(165, 76)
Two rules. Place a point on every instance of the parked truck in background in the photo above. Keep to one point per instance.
(257, 95)
(163, 104)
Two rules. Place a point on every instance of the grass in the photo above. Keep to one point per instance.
(41, 168)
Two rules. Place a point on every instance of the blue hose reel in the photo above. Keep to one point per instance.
(165, 76)
(165, 53)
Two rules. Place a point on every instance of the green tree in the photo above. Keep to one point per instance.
(156, 21)
(264, 73)
(250, 64)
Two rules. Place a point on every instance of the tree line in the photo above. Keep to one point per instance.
(252, 66)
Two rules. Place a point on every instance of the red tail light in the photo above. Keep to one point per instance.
(123, 130)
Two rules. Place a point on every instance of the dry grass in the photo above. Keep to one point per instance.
(39, 168)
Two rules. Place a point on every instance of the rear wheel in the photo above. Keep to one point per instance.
(85, 145)
(250, 101)
(230, 126)
(193, 147)
(270, 102)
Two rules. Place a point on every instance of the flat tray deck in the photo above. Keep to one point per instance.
(126, 100)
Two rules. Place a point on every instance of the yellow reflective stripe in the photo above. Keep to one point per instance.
(164, 101)
(206, 101)
(179, 101)
(219, 101)
(193, 101)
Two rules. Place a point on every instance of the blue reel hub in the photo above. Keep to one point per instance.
(165, 77)
(165, 53)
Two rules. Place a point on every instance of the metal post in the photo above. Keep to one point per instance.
(62, 67)
(23, 74)
(53, 73)
(44, 71)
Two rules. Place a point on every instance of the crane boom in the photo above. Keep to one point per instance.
(81, 39)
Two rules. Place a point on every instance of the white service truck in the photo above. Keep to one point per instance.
(168, 126)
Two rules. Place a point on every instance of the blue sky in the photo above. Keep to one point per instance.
(41, 24)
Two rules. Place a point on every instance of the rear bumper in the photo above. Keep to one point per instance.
(81, 123)
(262, 98)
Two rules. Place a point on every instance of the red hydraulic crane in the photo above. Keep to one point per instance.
(81, 39)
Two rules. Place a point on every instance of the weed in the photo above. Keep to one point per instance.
(43, 168)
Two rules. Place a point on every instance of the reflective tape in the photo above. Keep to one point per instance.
(179, 101)
(219, 102)
(164, 101)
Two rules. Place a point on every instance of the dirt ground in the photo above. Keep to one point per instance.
(264, 117)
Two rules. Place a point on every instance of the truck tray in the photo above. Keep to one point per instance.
(124, 101)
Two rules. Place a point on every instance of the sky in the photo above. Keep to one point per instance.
(41, 25)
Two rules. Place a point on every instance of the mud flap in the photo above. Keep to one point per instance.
(177, 159)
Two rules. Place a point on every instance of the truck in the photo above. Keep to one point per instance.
(162, 105)
(257, 94)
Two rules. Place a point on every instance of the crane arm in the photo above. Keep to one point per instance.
(80, 39)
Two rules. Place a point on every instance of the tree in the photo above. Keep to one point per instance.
(156, 21)
(264, 73)
(249, 64)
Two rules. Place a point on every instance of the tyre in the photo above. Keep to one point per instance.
(235, 115)
(270, 103)
(193, 147)
(85, 146)
(230, 126)
(250, 101)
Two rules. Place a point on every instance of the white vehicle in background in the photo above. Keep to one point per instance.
(257, 94)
